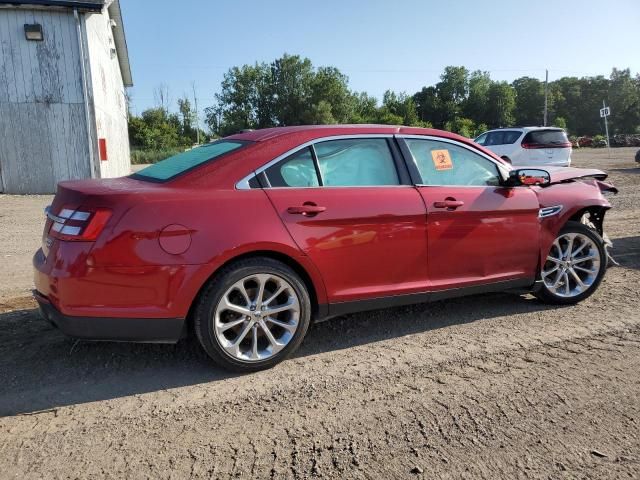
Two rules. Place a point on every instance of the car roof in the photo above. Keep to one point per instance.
(319, 131)
(524, 129)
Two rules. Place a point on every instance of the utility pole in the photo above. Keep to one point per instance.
(195, 104)
(546, 96)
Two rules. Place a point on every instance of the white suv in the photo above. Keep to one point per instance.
(529, 145)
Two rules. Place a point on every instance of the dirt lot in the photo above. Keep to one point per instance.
(481, 387)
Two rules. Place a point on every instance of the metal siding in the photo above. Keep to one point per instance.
(107, 93)
(42, 118)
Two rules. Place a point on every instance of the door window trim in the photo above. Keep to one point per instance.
(404, 176)
(413, 166)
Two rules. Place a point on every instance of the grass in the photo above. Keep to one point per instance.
(139, 156)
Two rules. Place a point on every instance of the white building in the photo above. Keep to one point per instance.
(64, 67)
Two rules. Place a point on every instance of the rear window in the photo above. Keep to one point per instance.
(502, 137)
(547, 138)
(182, 162)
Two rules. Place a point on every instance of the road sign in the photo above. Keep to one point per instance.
(604, 113)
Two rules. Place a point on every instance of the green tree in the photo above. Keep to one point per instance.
(319, 114)
(475, 106)
(245, 100)
(330, 86)
(155, 129)
(500, 105)
(624, 99)
(429, 107)
(565, 102)
(292, 79)
(364, 108)
(560, 122)
(529, 101)
(462, 126)
(399, 106)
(452, 90)
(290, 91)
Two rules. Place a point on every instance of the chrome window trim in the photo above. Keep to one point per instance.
(502, 169)
(243, 184)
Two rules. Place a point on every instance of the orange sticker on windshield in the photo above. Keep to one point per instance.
(442, 159)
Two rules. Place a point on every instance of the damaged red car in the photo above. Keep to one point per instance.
(247, 240)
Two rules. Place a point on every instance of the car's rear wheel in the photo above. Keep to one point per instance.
(253, 314)
(574, 266)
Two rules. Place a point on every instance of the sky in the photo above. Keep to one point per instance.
(401, 45)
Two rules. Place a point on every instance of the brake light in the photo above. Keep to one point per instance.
(81, 225)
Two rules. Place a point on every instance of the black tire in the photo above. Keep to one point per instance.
(547, 296)
(216, 288)
(638, 156)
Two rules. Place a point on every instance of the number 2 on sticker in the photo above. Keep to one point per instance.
(441, 159)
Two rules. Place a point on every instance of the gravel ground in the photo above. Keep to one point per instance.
(481, 387)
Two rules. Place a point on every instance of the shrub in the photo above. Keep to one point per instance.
(461, 126)
(599, 141)
(140, 156)
(560, 123)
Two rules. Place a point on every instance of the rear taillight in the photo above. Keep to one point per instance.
(546, 145)
(81, 225)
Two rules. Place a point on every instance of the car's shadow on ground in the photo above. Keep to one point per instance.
(41, 369)
(626, 251)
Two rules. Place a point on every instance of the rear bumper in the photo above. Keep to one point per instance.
(77, 289)
(154, 330)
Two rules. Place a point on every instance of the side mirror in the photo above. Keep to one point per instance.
(528, 176)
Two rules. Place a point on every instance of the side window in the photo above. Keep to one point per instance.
(494, 138)
(511, 136)
(441, 163)
(297, 170)
(356, 162)
(482, 139)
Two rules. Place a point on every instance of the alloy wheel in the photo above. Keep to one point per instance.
(257, 317)
(572, 265)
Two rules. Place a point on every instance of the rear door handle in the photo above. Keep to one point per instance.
(306, 210)
(449, 203)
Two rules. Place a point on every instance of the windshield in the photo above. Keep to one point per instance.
(182, 162)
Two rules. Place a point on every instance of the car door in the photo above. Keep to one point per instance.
(478, 231)
(357, 216)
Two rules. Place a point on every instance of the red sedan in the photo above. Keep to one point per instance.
(248, 239)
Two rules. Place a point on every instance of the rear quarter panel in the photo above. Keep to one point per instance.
(221, 224)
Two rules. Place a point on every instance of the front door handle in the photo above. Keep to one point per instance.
(308, 209)
(449, 203)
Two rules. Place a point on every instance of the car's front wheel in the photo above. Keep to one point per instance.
(252, 314)
(574, 266)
